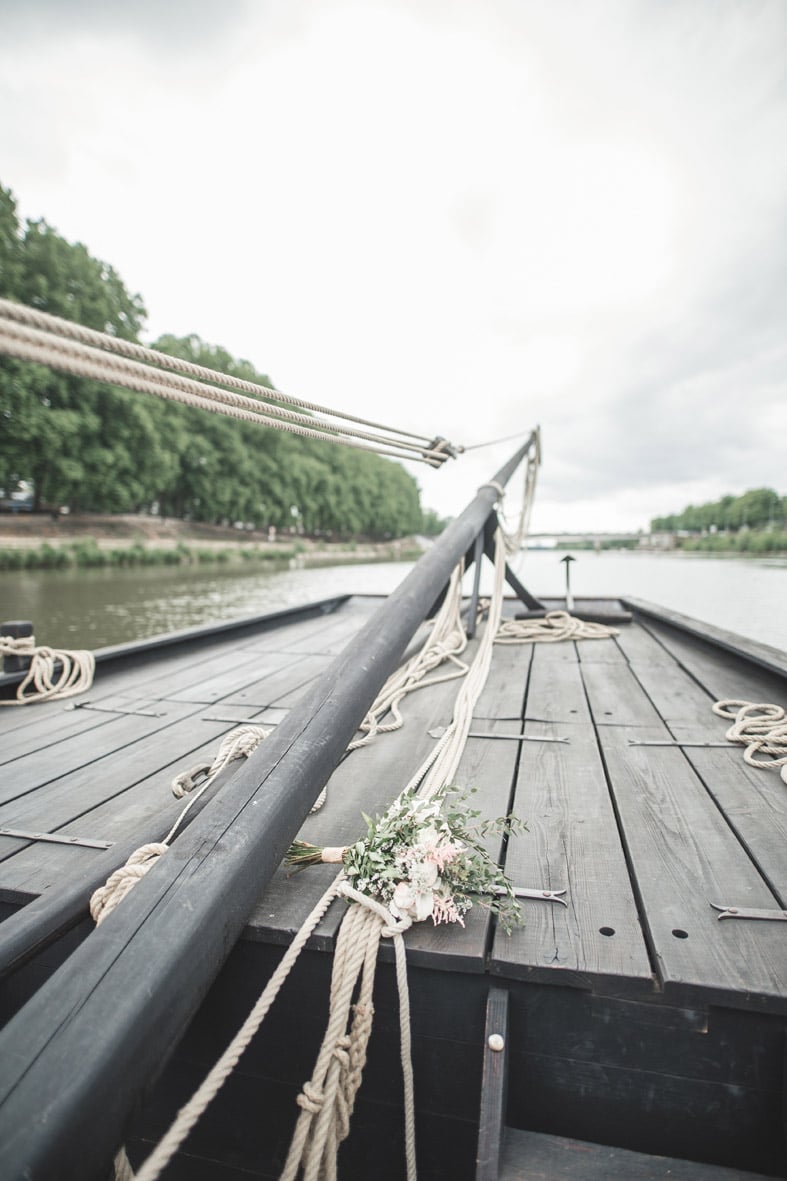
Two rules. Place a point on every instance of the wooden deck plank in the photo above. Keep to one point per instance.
(573, 844)
(753, 800)
(47, 730)
(683, 856)
(723, 674)
(282, 687)
(103, 802)
(126, 782)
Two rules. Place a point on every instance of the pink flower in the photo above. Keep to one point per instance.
(445, 911)
(444, 853)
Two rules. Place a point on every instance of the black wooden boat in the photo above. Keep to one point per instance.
(642, 1035)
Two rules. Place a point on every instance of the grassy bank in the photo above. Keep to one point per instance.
(749, 541)
(87, 554)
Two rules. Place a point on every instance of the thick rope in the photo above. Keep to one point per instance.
(58, 345)
(761, 728)
(189, 1114)
(53, 672)
(68, 329)
(327, 1100)
(553, 628)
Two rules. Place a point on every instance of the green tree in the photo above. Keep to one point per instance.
(96, 447)
(61, 432)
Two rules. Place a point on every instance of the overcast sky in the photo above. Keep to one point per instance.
(460, 217)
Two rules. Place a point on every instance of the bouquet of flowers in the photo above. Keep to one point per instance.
(425, 859)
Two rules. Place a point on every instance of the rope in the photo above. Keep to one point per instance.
(68, 329)
(445, 643)
(327, 1100)
(43, 681)
(36, 336)
(554, 627)
(439, 768)
(761, 728)
(237, 744)
(189, 1114)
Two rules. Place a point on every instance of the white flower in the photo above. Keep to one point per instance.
(424, 905)
(424, 874)
(403, 900)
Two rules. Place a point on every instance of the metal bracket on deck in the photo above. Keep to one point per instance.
(439, 731)
(537, 895)
(674, 742)
(55, 838)
(743, 912)
(517, 737)
(107, 709)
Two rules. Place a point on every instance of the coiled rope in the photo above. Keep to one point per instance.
(761, 728)
(555, 627)
(53, 672)
(32, 335)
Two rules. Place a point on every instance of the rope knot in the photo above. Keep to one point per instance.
(392, 925)
(17, 645)
(311, 1098)
(341, 1051)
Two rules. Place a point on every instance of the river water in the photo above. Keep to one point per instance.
(93, 608)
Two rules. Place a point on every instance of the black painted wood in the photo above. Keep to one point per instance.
(494, 1085)
(534, 1156)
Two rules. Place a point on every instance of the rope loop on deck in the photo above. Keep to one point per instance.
(54, 673)
(759, 726)
(553, 628)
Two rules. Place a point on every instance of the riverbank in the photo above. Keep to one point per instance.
(42, 541)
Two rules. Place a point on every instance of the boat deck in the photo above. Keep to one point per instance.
(636, 807)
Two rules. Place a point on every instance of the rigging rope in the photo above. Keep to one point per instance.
(31, 335)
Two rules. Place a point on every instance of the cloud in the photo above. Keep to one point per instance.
(175, 26)
(460, 218)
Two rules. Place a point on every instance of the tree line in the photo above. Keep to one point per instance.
(759, 508)
(94, 447)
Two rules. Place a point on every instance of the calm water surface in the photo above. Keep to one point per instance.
(93, 608)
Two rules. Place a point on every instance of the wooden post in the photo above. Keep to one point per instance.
(18, 629)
